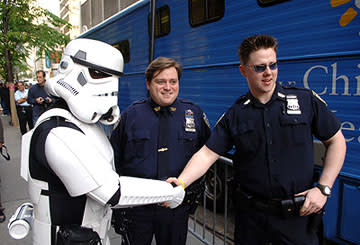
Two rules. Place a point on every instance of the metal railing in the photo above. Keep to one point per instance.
(211, 225)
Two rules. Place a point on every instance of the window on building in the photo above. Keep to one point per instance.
(205, 11)
(124, 48)
(111, 7)
(162, 21)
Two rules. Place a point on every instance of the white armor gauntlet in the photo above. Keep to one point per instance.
(137, 191)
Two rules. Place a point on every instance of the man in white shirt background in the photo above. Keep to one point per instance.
(24, 109)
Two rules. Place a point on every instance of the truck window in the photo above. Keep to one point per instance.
(162, 21)
(205, 11)
(266, 3)
(124, 48)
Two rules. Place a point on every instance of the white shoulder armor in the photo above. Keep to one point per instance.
(82, 160)
(26, 139)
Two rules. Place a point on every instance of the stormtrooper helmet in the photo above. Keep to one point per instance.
(87, 80)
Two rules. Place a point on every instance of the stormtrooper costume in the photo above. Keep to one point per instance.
(67, 158)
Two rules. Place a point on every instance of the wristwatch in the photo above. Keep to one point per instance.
(325, 190)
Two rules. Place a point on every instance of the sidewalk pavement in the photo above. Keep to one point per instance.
(13, 188)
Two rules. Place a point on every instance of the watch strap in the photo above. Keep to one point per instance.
(323, 189)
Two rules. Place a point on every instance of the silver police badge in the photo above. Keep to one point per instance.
(293, 107)
(189, 121)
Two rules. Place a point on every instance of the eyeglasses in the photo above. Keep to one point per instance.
(262, 68)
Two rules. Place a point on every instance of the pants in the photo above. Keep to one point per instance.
(258, 228)
(25, 118)
(168, 225)
(5, 106)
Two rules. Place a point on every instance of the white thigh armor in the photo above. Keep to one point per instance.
(69, 168)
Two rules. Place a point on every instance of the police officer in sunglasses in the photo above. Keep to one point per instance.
(272, 129)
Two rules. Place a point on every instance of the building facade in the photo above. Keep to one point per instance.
(70, 11)
(94, 12)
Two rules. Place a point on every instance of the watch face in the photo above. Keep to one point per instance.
(324, 189)
(327, 190)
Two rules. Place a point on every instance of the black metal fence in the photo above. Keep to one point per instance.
(213, 222)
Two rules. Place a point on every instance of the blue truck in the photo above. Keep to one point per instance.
(319, 49)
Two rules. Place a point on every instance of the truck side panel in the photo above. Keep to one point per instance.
(319, 45)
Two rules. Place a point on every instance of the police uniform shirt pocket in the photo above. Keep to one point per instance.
(189, 142)
(246, 137)
(138, 144)
(294, 129)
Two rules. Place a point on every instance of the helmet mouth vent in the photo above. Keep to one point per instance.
(67, 86)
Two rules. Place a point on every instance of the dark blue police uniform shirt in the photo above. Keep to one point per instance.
(274, 141)
(135, 138)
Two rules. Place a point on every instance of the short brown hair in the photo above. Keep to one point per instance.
(41, 71)
(254, 43)
(159, 64)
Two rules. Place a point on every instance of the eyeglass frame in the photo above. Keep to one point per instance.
(261, 68)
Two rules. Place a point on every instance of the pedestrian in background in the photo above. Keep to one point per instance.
(154, 139)
(272, 129)
(5, 98)
(2, 140)
(37, 96)
(24, 109)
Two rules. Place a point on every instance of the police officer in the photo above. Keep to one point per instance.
(154, 139)
(272, 129)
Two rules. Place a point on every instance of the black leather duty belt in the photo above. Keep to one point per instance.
(278, 207)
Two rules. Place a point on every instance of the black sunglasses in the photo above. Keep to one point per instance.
(262, 68)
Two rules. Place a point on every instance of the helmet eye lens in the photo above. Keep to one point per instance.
(96, 74)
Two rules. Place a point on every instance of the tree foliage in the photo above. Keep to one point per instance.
(25, 26)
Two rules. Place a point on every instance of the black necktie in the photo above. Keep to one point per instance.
(163, 151)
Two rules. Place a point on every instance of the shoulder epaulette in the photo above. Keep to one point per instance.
(190, 102)
(187, 101)
(293, 87)
(241, 99)
(139, 102)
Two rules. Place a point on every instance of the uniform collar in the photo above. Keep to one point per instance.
(156, 108)
(277, 95)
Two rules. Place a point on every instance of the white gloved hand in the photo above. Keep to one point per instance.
(178, 197)
(138, 191)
